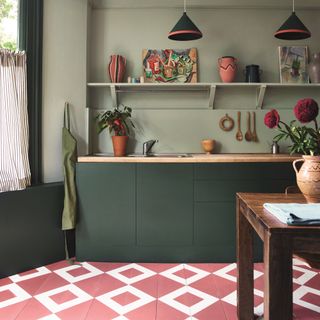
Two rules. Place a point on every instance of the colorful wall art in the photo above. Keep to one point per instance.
(170, 65)
(293, 64)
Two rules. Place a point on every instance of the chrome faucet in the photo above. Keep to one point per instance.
(147, 146)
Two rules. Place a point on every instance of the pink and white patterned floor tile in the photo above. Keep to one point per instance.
(142, 291)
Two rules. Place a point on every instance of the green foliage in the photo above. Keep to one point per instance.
(117, 120)
(305, 140)
(8, 11)
(9, 45)
(296, 64)
(5, 8)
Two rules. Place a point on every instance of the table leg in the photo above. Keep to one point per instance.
(245, 266)
(277, 277)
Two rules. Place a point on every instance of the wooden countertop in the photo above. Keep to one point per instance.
(194, 158)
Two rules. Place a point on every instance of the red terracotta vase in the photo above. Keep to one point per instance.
(117, 68)
(227, 68)
(119, 145)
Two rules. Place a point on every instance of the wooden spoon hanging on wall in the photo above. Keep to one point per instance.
(239, 135)
(248, 135)
(254, 132)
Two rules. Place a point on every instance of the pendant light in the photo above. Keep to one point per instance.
(293, 28)
(185, 29)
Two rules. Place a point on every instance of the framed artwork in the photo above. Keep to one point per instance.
(170, 65)
(293, 62)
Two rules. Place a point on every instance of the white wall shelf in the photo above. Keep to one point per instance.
(209, 88)
(204, 4)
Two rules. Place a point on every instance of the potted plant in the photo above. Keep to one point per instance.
(118, 121)
(295, 67)
(305, 140)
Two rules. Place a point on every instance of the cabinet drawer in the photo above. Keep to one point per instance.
(243, 171)
(222, 190)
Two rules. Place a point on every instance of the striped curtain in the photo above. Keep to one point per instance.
(14, 131)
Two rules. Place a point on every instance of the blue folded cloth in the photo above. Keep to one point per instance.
(295, 214)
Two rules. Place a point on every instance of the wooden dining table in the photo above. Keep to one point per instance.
(281, 242)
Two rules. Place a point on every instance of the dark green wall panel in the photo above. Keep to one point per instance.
(30, 228)
(164, 204)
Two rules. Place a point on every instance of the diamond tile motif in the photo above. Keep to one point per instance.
(303, 291)
(120, 273)
(46, 298)
(66, 274)
(142, 299)
(133, 291)
(193, 274)
(15, 295)
(50, 317)
(306, 275)
(224, 273)
(206, 300)
(39, 272)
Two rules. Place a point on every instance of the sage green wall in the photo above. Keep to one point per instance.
(64, 78)
(245, 34)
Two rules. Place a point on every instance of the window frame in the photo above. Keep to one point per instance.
(30, 39)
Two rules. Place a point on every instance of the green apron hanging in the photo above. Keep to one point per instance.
(69, 152)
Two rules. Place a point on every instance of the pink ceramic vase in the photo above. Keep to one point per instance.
(117, 68)
(227, 68)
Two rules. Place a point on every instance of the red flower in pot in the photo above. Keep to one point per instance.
(271, 119)
(118, 121)
(305, 140)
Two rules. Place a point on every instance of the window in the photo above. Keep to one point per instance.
(21, 28)
(8, 24)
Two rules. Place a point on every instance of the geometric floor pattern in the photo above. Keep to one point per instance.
(142, 291)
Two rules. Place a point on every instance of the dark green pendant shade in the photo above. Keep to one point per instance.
(185, 30)
(293, 29)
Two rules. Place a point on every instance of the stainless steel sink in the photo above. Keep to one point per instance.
(162, 155)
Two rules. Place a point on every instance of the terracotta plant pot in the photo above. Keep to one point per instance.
(119, 145)
(308, 177)
(227, 68)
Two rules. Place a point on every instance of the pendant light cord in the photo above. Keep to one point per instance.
(184, 6)
(293, 9)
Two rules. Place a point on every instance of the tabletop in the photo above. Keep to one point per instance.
(258, 215)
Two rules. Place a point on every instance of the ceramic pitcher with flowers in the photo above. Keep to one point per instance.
(305, 140)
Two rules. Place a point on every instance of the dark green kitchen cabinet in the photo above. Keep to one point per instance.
(167, 212)
(106, 199)
(165, 204)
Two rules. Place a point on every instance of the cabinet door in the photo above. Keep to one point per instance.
(164, 204)
(106, 197)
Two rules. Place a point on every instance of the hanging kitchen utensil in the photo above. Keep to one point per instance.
(226, 123)
(293, 28)
(185, 29)
(239, 135)
(254, 132)
(248, 134)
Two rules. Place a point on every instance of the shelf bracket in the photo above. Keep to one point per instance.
(212, 95)
(114, 96)
(260, 96)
